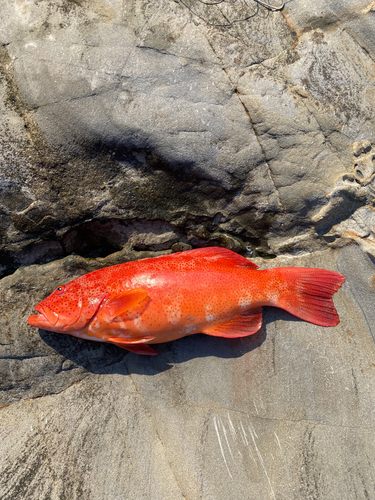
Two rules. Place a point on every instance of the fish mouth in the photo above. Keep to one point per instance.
(46, 318)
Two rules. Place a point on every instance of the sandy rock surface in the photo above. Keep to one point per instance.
(134, 128)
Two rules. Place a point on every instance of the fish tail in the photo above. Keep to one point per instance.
(307, 293)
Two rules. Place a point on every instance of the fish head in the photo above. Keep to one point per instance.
(70, 308)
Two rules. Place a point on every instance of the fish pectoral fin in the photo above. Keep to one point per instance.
(137, 348)
(134, 340)
(127, 305)
(239, 326)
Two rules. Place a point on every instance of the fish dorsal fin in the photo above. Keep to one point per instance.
(221, 254)
(138, 348)
(125, 305)
(239, 326)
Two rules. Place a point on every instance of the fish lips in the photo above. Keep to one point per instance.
(46, 318)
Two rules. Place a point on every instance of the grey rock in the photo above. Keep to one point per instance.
(361, 147)
(156, 112)
(349, 212)
(285, 413)
(131, 129)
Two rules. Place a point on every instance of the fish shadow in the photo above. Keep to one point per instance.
(104, 358)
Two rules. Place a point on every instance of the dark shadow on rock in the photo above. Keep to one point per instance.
(94, 357)
(101, 358)
(104, 358)
(272, 314)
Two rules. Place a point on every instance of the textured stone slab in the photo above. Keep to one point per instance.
(286, 413)
(179, 112)
(135, 126)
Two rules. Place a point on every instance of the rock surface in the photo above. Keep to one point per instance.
(133, 128)
(287, 413)
(130, 113)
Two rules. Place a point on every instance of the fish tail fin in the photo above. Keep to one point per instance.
(307, 293)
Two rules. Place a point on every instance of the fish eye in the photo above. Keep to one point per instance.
(60, 290)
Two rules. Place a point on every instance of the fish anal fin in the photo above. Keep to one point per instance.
(134, 340)
(241, 325)
(126, 305)
(137, 348)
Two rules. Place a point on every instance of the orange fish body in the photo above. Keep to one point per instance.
(210, 290)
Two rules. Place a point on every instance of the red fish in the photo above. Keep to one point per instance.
(209, 290)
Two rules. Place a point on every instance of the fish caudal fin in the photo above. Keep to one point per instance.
(240, 326)
(307, 293)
